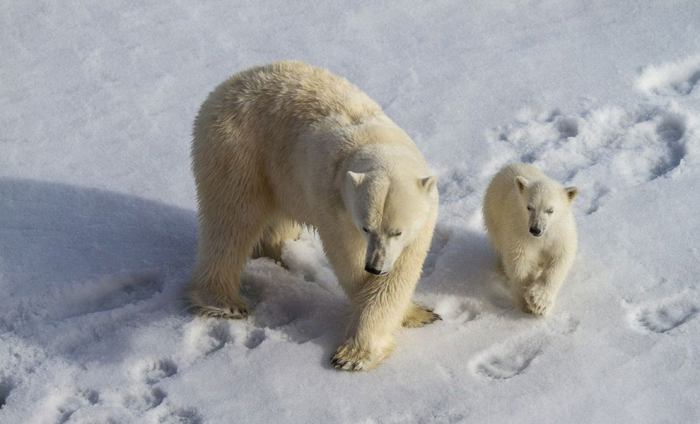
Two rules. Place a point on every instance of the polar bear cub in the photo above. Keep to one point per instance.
(286, 144)
(531, 225)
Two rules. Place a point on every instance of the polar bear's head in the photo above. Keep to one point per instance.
(390, 212)
(545, 202)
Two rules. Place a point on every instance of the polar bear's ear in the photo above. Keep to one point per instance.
(571, 193)
(521, 183)
(356, 178)
(427, 183)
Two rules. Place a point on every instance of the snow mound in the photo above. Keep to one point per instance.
(672, 79)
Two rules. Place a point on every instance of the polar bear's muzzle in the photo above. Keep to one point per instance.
(537, 230)
(537, 227)
(371, 270)
(376, 258)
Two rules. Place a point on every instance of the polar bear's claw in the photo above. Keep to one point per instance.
(433, 316)
(419, 316)
(538, 300)
(339, 364)
(351, 358)
(216, 312)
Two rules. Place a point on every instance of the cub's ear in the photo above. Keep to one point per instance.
(571, 193)
(356, 178)
(427, 183)
(521, 183)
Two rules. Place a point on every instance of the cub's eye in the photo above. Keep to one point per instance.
(529, 207)
(550, 211)
(365, 229)
(395, 234)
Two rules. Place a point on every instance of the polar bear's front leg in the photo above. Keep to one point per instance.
(380, 307)
(519, 269)
(540, 296)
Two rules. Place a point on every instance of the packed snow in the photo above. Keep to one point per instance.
(98, 229)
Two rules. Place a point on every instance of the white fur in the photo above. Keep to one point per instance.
(522, 201)
(287, 144)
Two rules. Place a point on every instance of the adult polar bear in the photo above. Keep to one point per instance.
(287, 144)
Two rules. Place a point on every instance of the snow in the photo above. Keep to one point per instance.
(672, 79)
(98, 225)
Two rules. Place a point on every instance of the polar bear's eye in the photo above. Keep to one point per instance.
(550, 211)
(395, 234)
(365, 229)
(529, 207)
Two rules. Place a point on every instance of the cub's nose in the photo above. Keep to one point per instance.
(371, 270)
(536, 231)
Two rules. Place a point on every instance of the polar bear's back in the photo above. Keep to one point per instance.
(257, 117)
(285, 93)
(279, 130)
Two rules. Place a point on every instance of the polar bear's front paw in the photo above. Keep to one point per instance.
(350, 357)
(539, 299)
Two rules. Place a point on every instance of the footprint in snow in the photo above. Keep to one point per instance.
(255, 338)
(143, 400)
(6, 387)
(181, 416)
(151, 371)
(112, 293)
(671, 79)
(455, 310)
(512, 358)
(508, 364)
(665, 316)
(204, 337)
(76, 402)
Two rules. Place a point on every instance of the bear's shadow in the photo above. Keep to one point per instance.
(69, 252)
(81, 260)
(72, 251)
(463, 265)
(56, 234)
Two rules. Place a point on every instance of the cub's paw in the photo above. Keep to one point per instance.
(418, 316)
(538, 299)
(350, 357)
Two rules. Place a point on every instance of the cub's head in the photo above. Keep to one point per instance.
(544, 202)
(389, 212)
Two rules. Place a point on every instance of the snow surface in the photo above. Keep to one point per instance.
(98, 229)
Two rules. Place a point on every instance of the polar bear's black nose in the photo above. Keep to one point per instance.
(536, 231)
(372, 270)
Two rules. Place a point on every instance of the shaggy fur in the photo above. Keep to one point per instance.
(531, 225)
(284, 145)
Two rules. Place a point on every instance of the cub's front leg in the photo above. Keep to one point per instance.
(379, 310)
(519, 270)
(540, 296)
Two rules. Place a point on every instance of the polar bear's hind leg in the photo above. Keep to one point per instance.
(231, 221)
(418, 316)
(275, 234)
